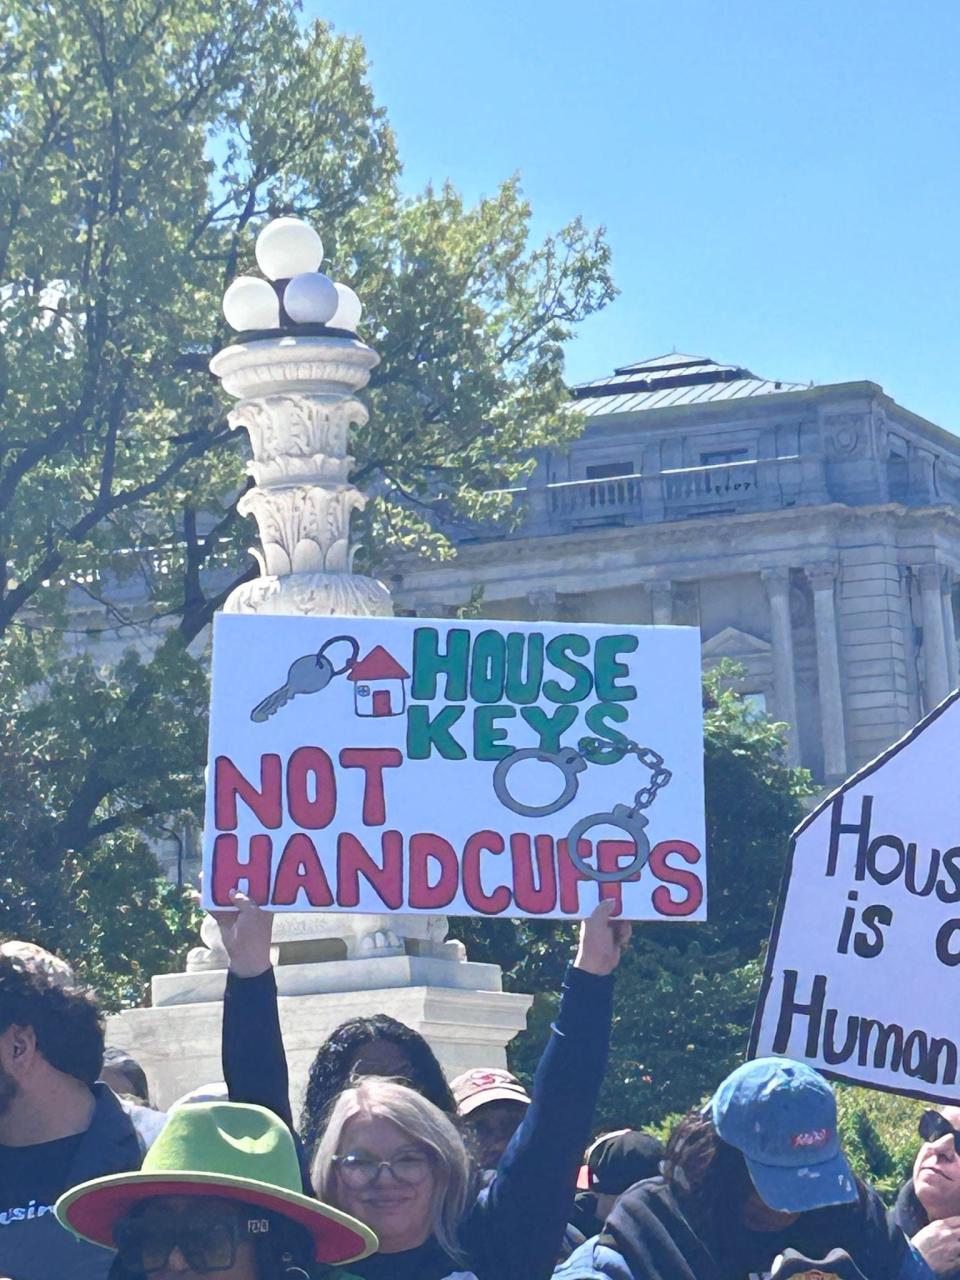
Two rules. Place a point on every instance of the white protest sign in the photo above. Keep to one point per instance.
(468, 768)
(861, 977)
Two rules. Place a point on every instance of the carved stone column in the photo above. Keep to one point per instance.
(949, 628)
(936, 673)
(777, 583)
(296, 390)
(544, 605)
(661, 602)
(296, 400)
(822, 578)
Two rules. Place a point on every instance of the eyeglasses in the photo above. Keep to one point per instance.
(208, 1243)
(359, 1171)
(933, 1126)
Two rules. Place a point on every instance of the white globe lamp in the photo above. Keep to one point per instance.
(310, 298)
(349, 309)
(251, 303)
(288, 247)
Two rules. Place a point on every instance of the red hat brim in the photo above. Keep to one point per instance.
(91, 1209)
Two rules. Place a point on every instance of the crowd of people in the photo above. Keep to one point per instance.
(394, 1174)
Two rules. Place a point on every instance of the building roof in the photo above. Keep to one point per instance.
(663, 382)
(377, 665)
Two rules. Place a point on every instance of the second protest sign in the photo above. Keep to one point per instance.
(865, 951)
(468, 768)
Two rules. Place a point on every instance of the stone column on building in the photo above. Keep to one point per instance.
(777, 583)
(651, 485)
(549, 606)
(920, 468)
(949, 628)
(536, 498)
(935, 669)
(661, 603)
(822, 578)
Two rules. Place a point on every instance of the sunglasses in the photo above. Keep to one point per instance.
(933, 1126)
(207, 1243)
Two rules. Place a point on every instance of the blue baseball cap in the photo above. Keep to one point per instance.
(782, 1117)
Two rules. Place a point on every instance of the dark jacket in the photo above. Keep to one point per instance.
(910, 1216)
(514, 1228)
(648, 1235)
(38, 1248)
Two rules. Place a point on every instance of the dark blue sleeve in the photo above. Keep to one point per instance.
(516, 1227)
(254, 1062)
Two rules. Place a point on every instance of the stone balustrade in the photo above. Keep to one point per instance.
(728, 482)
(677, 493)
(600, 500)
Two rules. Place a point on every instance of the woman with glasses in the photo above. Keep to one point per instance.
(218, 1195)
(928, 1207)
(394, 1159)
(398, 1163)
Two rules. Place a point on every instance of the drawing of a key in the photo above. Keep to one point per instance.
(308, 674)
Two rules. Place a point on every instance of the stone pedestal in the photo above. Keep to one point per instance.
(460, 1007)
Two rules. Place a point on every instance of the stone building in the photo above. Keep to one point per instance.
(812, 532)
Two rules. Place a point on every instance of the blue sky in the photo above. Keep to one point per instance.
(778, 178)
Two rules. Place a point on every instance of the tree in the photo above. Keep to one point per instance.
(685, 993)
(142, 144)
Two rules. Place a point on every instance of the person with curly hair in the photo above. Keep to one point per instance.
(58, 1126)
(377, 1046)
(757, 1172)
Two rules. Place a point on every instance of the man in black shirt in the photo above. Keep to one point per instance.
(57, 1126)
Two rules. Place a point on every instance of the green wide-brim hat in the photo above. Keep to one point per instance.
(225, 1149)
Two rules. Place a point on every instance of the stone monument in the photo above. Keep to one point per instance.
(295, 369)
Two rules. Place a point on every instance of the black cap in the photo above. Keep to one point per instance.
(618, 1160)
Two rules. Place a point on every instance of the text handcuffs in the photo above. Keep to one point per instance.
(571, 763)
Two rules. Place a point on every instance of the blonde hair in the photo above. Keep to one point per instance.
(423, 1123)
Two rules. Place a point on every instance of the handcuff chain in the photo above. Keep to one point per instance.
(653, 760)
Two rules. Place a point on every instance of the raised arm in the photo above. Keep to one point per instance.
(519, 1220)
(254, 1062)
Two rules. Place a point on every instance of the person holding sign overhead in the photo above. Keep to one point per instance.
(396, 1161)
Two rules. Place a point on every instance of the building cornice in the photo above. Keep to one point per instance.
(791, 537)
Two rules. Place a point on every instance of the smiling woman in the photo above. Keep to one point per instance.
(396, 1160)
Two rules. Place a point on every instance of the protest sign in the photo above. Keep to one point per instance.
(865, 948)
(468, 768)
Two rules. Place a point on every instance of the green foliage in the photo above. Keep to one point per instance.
(143, 145)
(685, 993)
(879, 1135)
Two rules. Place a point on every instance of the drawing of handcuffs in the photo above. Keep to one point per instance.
(571, 763)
